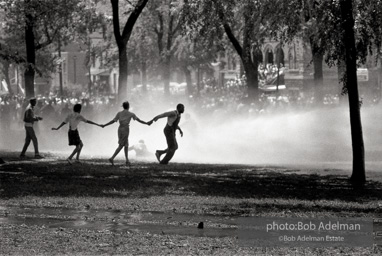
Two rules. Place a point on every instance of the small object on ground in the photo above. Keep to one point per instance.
(157, 155)
(2, 161)
(78, 161)
(38, 157)
(128, 163)
(69, 161)
(201, 225)
(22, 156)
(111, 161)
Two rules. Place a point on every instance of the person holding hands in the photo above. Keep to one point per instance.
(124, 117)
(74, 138)
(173, 119)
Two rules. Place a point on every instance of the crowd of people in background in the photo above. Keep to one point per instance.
(211, 100)
(271, 74)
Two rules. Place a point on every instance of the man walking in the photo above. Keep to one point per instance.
(173, 118)
(29, 119)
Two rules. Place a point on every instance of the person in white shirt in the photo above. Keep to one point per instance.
(74, 137)
(173, 119)
(29, 119)
(124, 117)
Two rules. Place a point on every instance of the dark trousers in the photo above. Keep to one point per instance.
(30, 136)
(172, 145)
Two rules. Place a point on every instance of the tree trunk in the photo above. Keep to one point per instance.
(198, 87)
(187, 73)
(89, 66)
(29, 73)
(358, 176)
(167, 74)
(252, 80)
(60, 69)
(90, 82)
(122, 40)
(250, 66)
(167, 61)
(5, 71)
(122, 81)
(318, 76)
(144, 75)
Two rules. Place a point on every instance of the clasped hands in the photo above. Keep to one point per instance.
(151, 121)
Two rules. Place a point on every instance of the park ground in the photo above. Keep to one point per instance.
(38, 198)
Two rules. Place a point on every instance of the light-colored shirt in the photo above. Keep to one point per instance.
(124, 117)
(172, 117)
(74, 119)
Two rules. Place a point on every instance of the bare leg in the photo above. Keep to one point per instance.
(79, 151)
(115, 154)
(127, 154)
(74, 152)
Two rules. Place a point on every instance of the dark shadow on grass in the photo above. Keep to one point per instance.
(97, 179)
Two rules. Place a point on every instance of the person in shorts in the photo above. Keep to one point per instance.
(73, 120)
(124, 117)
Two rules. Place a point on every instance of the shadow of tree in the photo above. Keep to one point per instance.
(97, 179)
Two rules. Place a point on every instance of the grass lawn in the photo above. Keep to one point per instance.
(56, 192)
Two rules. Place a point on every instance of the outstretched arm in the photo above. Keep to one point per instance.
(142, 122)
(166, 114)
(107, 124)
(90, 122)
(62, 124)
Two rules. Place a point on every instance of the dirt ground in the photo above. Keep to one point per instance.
(178, 188)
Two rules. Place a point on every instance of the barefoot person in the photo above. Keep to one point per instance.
(74, 137)
(29, 119)
(124, 117)
(173, 118)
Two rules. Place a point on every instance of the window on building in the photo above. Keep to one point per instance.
(280, 57)
(292, 59)
(93, 59)
(268, 55)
